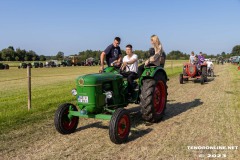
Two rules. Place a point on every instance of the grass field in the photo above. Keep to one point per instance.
(206, 115)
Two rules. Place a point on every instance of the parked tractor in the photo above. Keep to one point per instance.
(4, 66)
(24, 65)
(104, 96)
(52, 63)
(66, 63)
(37, 64)
(220, 60)
(194, 71)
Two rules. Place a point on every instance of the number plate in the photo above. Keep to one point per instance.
(83, 99)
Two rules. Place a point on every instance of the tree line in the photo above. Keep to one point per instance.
(10, 54)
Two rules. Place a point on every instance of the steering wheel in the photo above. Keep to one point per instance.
(125, 72)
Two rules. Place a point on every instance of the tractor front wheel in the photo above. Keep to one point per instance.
(63, 123)
(120, 125)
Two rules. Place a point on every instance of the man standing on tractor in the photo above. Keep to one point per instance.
(112, 53)
(201, 58)
(130, 64)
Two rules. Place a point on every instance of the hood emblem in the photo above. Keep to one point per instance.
(81, 81)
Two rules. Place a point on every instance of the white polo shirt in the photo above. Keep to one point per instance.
(131, 67)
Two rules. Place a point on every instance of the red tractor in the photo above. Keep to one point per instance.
(194, 71)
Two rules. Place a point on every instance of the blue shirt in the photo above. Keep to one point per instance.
(112, 53)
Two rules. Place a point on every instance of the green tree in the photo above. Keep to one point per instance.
(42, 58)
(11, 48)
(60, 55)
(236, 50)
(223, 54)
(34, 58)
(16, 58)
(177, 55)
(26, 58)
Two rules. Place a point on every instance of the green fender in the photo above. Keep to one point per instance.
(149, 72)
(111, 69)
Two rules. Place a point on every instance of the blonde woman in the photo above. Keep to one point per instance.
(157, 55)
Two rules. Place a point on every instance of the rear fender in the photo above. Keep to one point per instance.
(149, 72)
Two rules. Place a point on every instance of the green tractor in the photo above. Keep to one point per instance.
(24, 65)
(66, 63)
(104, 96)
(4, 66)
(37, 64)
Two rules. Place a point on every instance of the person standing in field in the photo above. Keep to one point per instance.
(157, 55)
(192, 58)
(209, 64)
(112, 53)
(130, 64)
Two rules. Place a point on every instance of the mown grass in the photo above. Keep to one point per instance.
(50, 87)
(236, 85)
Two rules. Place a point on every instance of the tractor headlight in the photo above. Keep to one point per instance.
(74, 92)
(108, 94)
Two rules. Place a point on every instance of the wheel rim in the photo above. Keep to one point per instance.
(159, 97)
(123, 126)
(66, 122)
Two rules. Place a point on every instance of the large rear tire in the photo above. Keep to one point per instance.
(181, 78)
(63, 124)
(212, 73)
(120, 125)
(153, 98)
(204, 73)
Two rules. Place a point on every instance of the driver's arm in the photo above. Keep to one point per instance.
(132, 61)
(102, 59)
(119, 59)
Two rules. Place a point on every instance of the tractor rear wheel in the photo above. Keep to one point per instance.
(202, 79)
(63, 124)
(181, 78)
(204, 73)
(153, 98)
(212, 73)
(120, 125)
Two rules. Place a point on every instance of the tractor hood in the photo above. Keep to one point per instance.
(96, 79)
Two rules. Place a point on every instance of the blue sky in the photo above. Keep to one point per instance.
(49, 26)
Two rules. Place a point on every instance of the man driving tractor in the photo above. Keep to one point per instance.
(112, 53)
(130, 65)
